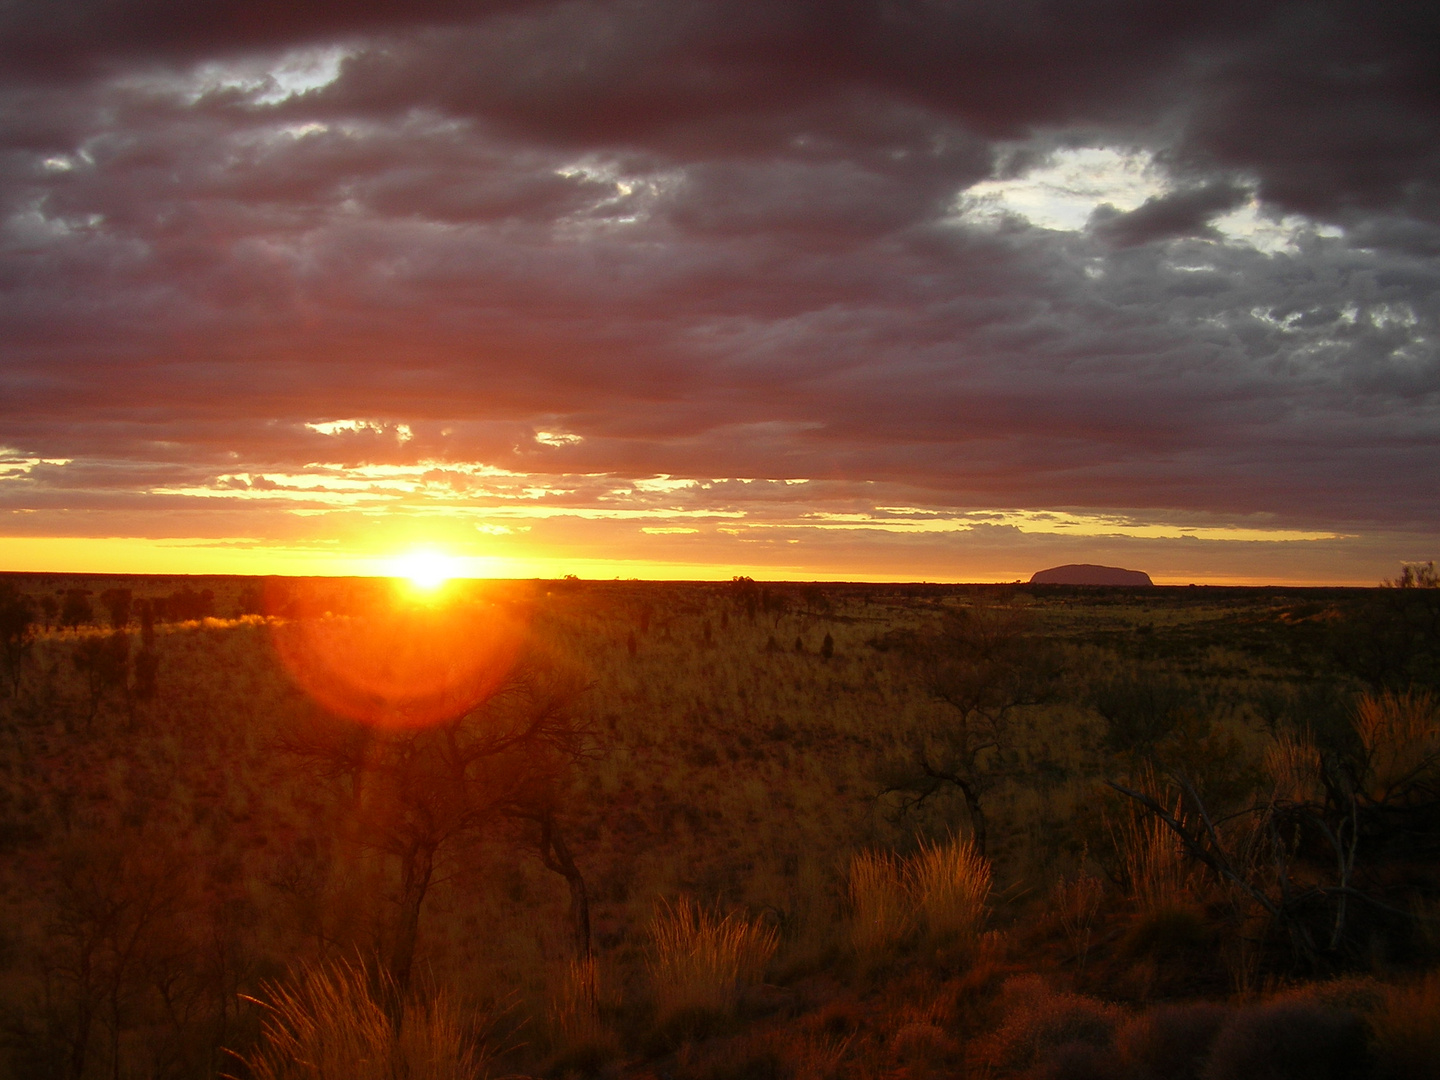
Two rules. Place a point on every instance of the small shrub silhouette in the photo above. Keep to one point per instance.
(1167, 932)
(1288, 1040)
(1170, 1042)
(75, 609)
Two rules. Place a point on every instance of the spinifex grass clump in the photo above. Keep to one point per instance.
(1156, 868)
(881, 912)
(950, 884)
(328, 1024)
(701, 960)
(942, 891)
(1401, 735)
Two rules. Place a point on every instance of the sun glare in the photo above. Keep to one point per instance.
(425, 569)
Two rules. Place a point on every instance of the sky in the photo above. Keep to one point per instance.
(799, 289)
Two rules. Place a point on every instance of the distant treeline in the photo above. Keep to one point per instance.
(76, 607)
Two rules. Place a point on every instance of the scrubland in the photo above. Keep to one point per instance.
(723, 831)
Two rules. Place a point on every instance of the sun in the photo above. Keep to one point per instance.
(425, 568)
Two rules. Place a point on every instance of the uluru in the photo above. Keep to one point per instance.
(1088, 574)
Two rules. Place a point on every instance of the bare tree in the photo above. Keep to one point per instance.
(422, 793)
(105, 664)
(17, 632)
(1308, 851)
(983, 663)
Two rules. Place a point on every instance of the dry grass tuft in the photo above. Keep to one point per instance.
(1154, 862)
(1077, 901)
(880, 904)
(950, 886)
(581, 1039)
(1293, 766)
(1401, 733)
(326, 1024)
(701, 960)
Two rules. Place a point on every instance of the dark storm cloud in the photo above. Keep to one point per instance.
(724, 240)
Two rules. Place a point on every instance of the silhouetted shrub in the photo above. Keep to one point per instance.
(187, 605)
(1140, 709)
(1288, 1040)
(16, 632)
(1076, 1061)
(1170, 1042)
(1167, 932)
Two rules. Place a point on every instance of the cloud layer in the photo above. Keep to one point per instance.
(1170, 267)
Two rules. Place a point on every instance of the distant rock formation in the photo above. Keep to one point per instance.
(1085, 574)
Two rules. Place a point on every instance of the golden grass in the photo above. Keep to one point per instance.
(881, 912)
(327, 1024)
(1293, 766)
(950, 884)
(942, 892)
(1157, 870)
(1401, 734)
(701, 960)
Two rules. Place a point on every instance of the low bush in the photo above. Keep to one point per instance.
(1043, 1031)
(1288, 1040)
(1406, 1031)
(1170, 1042)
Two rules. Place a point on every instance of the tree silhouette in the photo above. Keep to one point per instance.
(984, 664)
(17, 632)
(423, 793)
